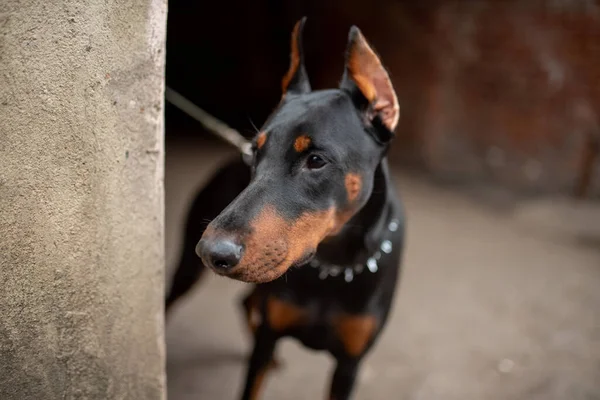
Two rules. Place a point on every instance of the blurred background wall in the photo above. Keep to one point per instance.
(502, 93)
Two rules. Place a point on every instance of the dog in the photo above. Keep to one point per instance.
(314, 222)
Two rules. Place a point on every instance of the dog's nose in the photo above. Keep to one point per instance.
(221, 254)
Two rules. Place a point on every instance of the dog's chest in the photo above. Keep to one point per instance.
(322, 323)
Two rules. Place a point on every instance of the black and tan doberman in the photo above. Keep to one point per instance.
(315, 222)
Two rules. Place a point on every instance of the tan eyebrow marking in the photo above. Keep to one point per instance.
(301, 143)
(261, 139)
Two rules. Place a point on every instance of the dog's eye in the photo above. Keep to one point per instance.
(315, 162)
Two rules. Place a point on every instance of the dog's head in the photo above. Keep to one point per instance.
(313, 167)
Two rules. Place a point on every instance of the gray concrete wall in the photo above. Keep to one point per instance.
(81, 199)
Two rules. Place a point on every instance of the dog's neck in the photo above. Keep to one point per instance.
(361, 236)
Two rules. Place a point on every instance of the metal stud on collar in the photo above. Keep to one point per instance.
(323, 274)
(334, 270)
(372, 265)
(386, 246)
(348, 275)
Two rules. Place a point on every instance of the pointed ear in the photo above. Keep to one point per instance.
(296, 79)
(369, 83)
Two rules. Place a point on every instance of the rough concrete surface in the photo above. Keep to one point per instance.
(81, 199)
(493, 305)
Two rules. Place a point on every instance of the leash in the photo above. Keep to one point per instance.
(210, 123)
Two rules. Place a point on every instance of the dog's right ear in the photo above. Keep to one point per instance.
(296, 79)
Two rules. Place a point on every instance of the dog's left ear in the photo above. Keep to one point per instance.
(369, 83)
(296, 79)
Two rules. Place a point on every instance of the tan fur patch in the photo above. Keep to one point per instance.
(301, 143)
(353, 183)
(261, 139)
(283, 315)
(276, 243)
(355, 331)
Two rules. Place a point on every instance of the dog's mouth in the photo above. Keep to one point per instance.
(252, 275)
(273, 245)
(266, 270)
(305, 259)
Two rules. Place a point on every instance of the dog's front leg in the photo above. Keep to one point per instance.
(344, 378)
(260, 362)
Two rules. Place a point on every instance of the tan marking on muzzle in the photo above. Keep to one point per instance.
(275, 243)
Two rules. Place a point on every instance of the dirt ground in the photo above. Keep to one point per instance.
(494, 303)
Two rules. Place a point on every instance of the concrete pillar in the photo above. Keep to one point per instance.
(81, 199)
